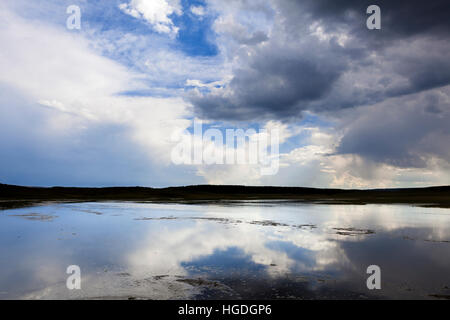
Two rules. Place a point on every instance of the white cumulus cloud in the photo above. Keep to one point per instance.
(156, 12)
(198, 10)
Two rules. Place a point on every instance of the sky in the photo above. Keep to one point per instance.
(108, 103)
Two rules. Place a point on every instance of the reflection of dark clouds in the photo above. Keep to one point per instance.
(406, 263)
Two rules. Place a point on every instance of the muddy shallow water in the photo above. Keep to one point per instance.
(243, 250)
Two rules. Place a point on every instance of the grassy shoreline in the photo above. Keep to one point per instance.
(18, 196)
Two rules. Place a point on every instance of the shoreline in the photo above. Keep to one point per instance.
(18, 196)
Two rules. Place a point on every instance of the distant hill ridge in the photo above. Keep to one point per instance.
(432, 196)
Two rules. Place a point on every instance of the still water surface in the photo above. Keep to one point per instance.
(243, 250)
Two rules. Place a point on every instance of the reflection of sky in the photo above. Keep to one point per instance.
(107, 239)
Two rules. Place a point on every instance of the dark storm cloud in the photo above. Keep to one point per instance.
(403, 132)
(400, 18)
(296, 71)
(274, 80)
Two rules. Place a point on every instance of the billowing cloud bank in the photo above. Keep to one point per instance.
(354, 107)
(387, 90)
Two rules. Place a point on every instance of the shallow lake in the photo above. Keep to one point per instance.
(239, 250)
